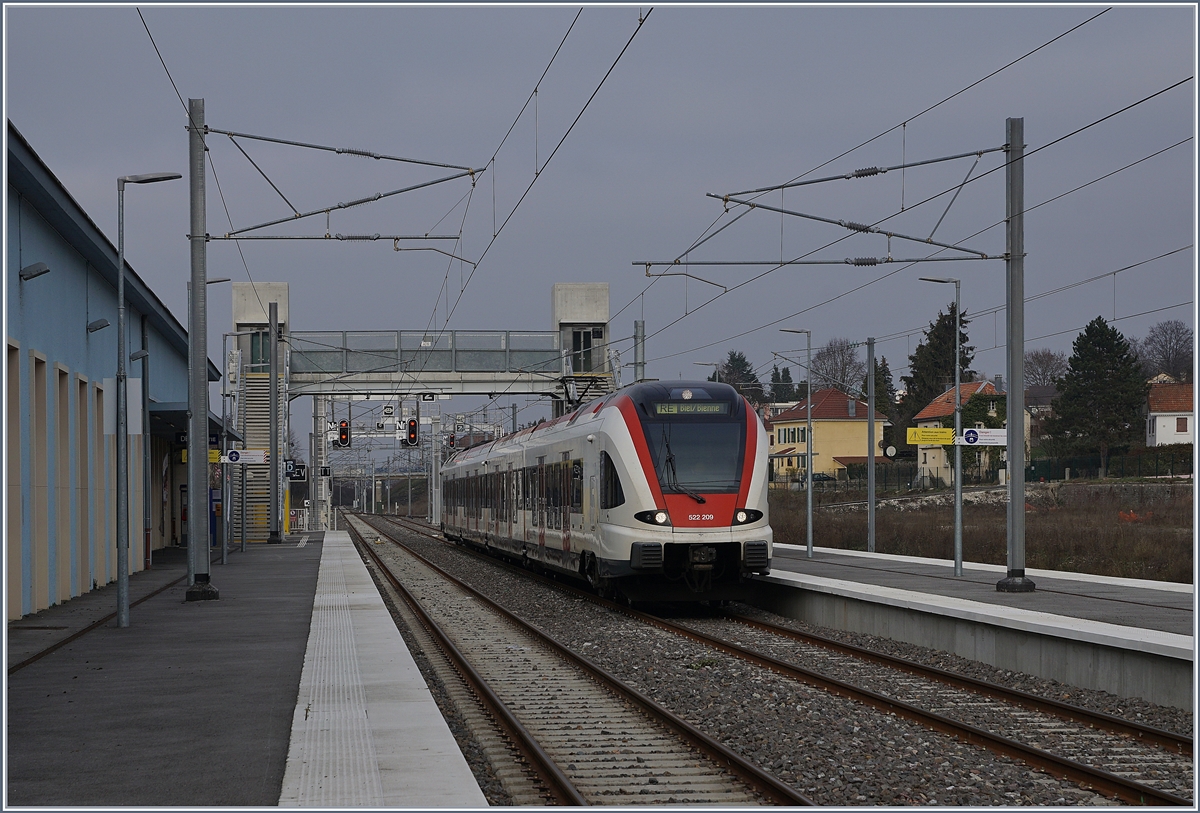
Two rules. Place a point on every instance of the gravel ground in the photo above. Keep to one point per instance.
(834, 750)
(480, 766)
(1129, 708)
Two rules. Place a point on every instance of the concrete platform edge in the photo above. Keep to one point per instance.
(1033, 573)
(1153, 642)
(366, 731)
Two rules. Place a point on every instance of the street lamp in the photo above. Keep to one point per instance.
(958, 568)
(715, 365)
(34, 270)
(808, 438)
(122, 405)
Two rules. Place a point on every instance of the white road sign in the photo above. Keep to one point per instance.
(983, 437)
(246, 456)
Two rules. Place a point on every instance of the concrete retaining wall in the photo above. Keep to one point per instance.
(1155, 677)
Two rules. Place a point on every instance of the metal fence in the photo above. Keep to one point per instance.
(901, 476)
(1171, 463)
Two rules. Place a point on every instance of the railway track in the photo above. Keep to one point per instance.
(1118, 758)
(589, 738)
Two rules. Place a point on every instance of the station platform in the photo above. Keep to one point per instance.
(294, 688)
(1131, 637)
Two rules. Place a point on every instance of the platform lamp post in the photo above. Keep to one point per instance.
(715, 365)
(807, 435)
(958, 525)
(122, 404)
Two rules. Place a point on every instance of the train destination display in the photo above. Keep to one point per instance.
(691, 407)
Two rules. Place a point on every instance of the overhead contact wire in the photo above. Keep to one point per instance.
(895, 214)
(904, 123)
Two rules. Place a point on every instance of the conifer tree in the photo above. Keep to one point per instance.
(737, 371)
(885, 389)
(782, 388)
(1102, 394)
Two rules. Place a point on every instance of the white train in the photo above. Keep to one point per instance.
(655, 492)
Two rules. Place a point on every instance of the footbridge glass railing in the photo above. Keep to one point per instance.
(403, 351)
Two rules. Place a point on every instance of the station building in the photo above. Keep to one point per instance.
(60, 408)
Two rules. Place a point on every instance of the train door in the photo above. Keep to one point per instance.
(489, 481)
(590, 505)
(511, 493)
(541, 501)
(525, 517)
(572, 497)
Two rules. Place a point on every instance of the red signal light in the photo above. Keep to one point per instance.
(344, 433)
(412, 432)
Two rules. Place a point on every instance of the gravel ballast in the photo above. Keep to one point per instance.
(834, 750)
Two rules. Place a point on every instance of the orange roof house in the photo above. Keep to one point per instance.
(1169, 414)
(839, 431)
(943, 405)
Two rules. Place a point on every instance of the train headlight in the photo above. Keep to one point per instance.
(744, 516)
(653, 517)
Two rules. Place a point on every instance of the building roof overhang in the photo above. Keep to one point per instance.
(33, 180)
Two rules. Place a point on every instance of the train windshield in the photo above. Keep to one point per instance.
(697, 454)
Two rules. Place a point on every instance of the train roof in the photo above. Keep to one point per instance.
(642, 392)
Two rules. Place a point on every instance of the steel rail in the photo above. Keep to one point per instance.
(1100, 780)
(556, 782)
(1096, 719)
(762, 781)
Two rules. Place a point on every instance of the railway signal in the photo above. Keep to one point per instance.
(344, 433)
(411, 436)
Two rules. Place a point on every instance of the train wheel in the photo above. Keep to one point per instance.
(591, 572)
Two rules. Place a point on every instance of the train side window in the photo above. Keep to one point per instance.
(611, 493)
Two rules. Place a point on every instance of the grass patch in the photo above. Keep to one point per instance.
(1131, 530)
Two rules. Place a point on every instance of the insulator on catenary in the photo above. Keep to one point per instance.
(863, 261)
(357, 236)
(850, 224)
(867, 171)
(363, 153)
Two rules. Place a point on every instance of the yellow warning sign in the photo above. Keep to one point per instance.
(930, 435)
(214, 455)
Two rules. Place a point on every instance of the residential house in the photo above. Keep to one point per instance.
(935, 463)
(839, 433)
(1169, 414)
(1039, 403)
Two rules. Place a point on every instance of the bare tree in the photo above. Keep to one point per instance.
(1043, 367)
(1167, 348)
(294, 450)
(838, 365)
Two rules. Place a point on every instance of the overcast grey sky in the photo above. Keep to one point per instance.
(704, 100)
